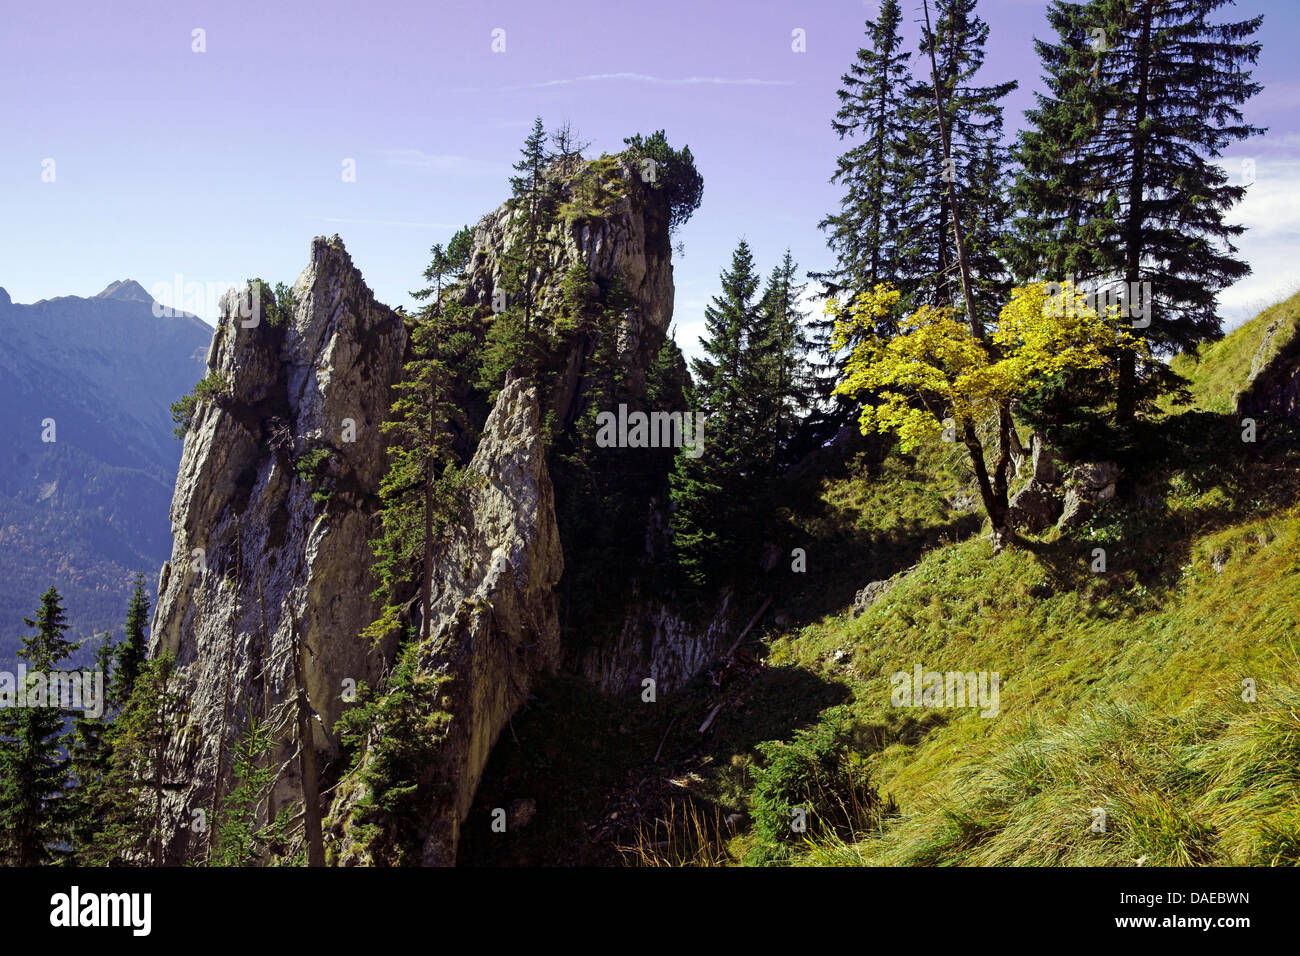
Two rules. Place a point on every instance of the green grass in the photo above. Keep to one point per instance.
(1219, 370)
(1121, 692)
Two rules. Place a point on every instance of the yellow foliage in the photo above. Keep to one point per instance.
(936, 368)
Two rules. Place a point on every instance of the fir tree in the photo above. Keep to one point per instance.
(872, 112)
(974, 167)
(134, 823)
(1118, 181)
(34, 773)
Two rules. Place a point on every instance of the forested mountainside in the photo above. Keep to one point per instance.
(83, 502)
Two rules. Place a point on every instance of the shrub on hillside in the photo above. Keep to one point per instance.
(813, 786)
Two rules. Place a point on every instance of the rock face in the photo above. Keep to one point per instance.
(253, 548)
(277, 500)
(1037, 504)
(496, 617)
(659, 642)
(1273, 388)
(495, 625)
(1087, 486)
(628, 242)
(629, 239)
(873, 592)
(1061, 498)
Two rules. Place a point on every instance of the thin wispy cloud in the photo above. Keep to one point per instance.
(441, 162)
(385, 222)
(636, 78)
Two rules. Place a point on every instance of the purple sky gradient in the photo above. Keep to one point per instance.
(222, 165)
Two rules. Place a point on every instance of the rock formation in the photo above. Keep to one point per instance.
(253, 548)
(276, 503)
(1066, 498)
(1273, 388)
(495, 627)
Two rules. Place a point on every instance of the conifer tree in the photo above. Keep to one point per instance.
(242, 839)
(872, 112)
(778, 381)
(89, 748)
(531, 200)
(568, 147)
(134, 822)
(1119, 186)
(975, 167)
(34, 776)
(710, 491)
(424, 485)
(446, 263)
(130, 654)
(668, 170)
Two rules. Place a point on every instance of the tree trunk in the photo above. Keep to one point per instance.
(427, 574)
(976, 328)
(993, 492)
(1125, 399)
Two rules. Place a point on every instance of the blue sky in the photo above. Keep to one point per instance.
(221, 165)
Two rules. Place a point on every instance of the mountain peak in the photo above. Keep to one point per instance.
(4, 297)
(127, 290)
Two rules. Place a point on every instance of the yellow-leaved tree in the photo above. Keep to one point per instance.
(939, 375)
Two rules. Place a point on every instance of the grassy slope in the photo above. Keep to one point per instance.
(1120, 690)
(1221, 368)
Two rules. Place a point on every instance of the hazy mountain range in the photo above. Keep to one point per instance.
(87, 510)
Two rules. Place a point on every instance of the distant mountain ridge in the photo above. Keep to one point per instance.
(87, 510)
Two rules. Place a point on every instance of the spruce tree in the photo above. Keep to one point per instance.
(778, 380)
(446, 263)
(710, 491)
(134, 823)
(872, 112)
(531, 200)
(1118, 182)
(873, 174)
(89, 747)
(130, 654)
(34, 772)
(242, 839)
(425, 484)
(975, 167)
